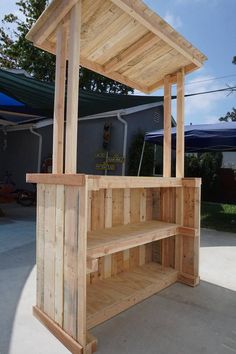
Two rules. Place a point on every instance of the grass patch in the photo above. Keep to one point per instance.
(218, 216)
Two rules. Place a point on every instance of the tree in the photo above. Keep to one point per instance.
(135, 154)
(229, 117)
(18, 53)
(234, 60)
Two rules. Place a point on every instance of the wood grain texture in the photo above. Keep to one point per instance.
(49, 250)
(40, 244)
(71, 261)
(73, 89)
(59, 101)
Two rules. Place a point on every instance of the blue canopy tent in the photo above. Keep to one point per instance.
(199, 138)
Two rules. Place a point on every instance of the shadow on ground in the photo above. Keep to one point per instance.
(178, 320)
(17, 258)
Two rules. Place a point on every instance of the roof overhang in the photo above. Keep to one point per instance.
(123, 40)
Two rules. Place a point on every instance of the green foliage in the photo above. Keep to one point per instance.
(234, 60)
(135, 154)
(229, 117)
(205, 165)
(18, 53)
(218, 216)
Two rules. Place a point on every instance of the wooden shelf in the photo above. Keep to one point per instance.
(106, 298)
(118, 238)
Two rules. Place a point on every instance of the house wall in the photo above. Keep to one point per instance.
(20, 156)
(229, 159)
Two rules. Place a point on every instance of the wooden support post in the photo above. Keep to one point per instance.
(179, 166)
(167, 128)
(59, 101)
(180, 125)
(73, 89)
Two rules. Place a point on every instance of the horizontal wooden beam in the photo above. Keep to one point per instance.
(112, 75)
(173, 78)
(140, 46)
(49, 20)
(192, 182)
(104, 182)
(62, 336)
(188, 231)
(135, 9)
(63, 179)
(49, 47)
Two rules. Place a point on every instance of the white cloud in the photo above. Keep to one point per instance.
(174, 21)
(204, 106)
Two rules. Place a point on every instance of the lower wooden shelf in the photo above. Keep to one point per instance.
(106, 298)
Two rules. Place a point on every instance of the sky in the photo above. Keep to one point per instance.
(210, 26)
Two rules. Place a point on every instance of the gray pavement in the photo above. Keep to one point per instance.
(178, 320)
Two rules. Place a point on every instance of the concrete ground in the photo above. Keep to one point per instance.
(178, 320)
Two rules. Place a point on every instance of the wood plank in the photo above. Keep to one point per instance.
(104, 182)
(48, 178)
(151, 21)
(143, 205)
(97, 210)
(113, 75)
(135, 205)
(92, 342)
(92, 265)
(109, 297)
(82, 265)
(49, 250)
(119, 238)
(40, 245)
(140, 46)
(127, 211)
(173, 77)
(71, 261)
(59, 101)
(73, 89)
(59, 258)
(117, 207)
(49, 20)
(57, 331)
(108, 208)
(180, 125)
(167, 129)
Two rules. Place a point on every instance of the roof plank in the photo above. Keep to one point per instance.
(135, 8)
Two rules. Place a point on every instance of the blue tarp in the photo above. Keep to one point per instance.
(201, 138)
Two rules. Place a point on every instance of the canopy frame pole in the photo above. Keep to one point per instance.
(73, 89)
(167, 128)
(180, 125)
(141, 158)
(59, 100)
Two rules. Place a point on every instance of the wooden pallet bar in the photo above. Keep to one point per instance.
(105, 243)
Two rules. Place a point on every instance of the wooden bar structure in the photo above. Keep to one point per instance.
(105, 243)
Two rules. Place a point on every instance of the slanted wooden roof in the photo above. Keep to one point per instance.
(123, 40)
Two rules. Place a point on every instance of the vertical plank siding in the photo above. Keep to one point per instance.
(61, 256)
(40, 245)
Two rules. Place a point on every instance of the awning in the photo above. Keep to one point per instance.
(201, 138)
(23, 94)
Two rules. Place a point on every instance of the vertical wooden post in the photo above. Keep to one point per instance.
(179, 166)
(59, 101)
(167, 128)
(180, 125)
(73, 89)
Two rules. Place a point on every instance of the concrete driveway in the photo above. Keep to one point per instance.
(178, 320)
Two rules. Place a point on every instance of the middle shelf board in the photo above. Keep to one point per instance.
(119, 238)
